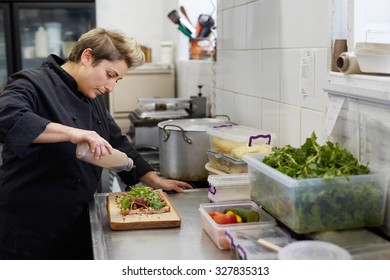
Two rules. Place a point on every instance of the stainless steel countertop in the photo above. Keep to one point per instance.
(191, 242)
(187, 242)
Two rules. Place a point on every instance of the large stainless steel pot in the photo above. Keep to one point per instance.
(183, 147)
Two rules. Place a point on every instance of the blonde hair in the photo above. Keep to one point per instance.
(108, 45)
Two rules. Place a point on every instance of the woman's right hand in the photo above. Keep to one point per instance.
(97, 144)
(55, 132)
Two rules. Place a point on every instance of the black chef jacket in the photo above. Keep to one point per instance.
(44, 188)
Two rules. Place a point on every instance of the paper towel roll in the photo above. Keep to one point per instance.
(347, 63)
(340, 46)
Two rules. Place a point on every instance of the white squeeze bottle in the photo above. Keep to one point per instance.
(117, 160)
(41, 42)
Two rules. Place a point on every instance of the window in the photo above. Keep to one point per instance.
(368, 21)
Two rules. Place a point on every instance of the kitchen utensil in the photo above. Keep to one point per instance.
(185, 31)
(175, 18)
(184, 12)
(307, 250)
(205, 23)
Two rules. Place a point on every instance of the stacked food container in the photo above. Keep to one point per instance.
(229, 190)
(244, 244)
(217, 231)
(228, 144)
(228, 187)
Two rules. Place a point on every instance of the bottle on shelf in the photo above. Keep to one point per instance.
(41, 42)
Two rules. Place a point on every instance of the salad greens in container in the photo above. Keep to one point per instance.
(317, 188)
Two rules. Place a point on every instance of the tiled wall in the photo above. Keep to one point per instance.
(258, 70)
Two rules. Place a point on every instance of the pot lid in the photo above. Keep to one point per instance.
(198, 124)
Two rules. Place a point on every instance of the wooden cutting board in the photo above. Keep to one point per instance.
(140, 221)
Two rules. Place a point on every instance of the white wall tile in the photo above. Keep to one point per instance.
(297, 20)
(227, 30)
(320, 17)
(270, 72)
(253, 23)
(312, 121)
(190, 74)
(253, 72)
(270, 118)
(228, 4)
(240, 108)
(239, 2)
(219, 24)
(290, 76)
(269, 13)
(291, 23)
(220, 69)
(290, 125)
(225, 103)
(254, 112)
(239, 28)
(235, 67)
(220, 4)
(228, 70)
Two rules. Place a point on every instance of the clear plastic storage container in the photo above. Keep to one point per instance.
(217, 231)
(314, 205)
(361, 243)
(226, 164)
(237, 140)
(244, 245)
(228, 187)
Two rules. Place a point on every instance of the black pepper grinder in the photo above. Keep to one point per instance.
(198, 104)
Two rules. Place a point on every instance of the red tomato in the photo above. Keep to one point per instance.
(220, 218)
(212, 214)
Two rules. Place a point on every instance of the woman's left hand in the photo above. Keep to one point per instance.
(157, 182)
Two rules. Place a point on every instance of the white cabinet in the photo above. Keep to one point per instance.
(147, 81)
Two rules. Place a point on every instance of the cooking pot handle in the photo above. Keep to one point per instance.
(226, 116)
(167, 134)
(259, 136)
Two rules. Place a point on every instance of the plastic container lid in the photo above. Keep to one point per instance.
(231, 160)
(228, 187)
(244, 242)
(313, 250)
(213, 170)
(240, 134)
(229, 180)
